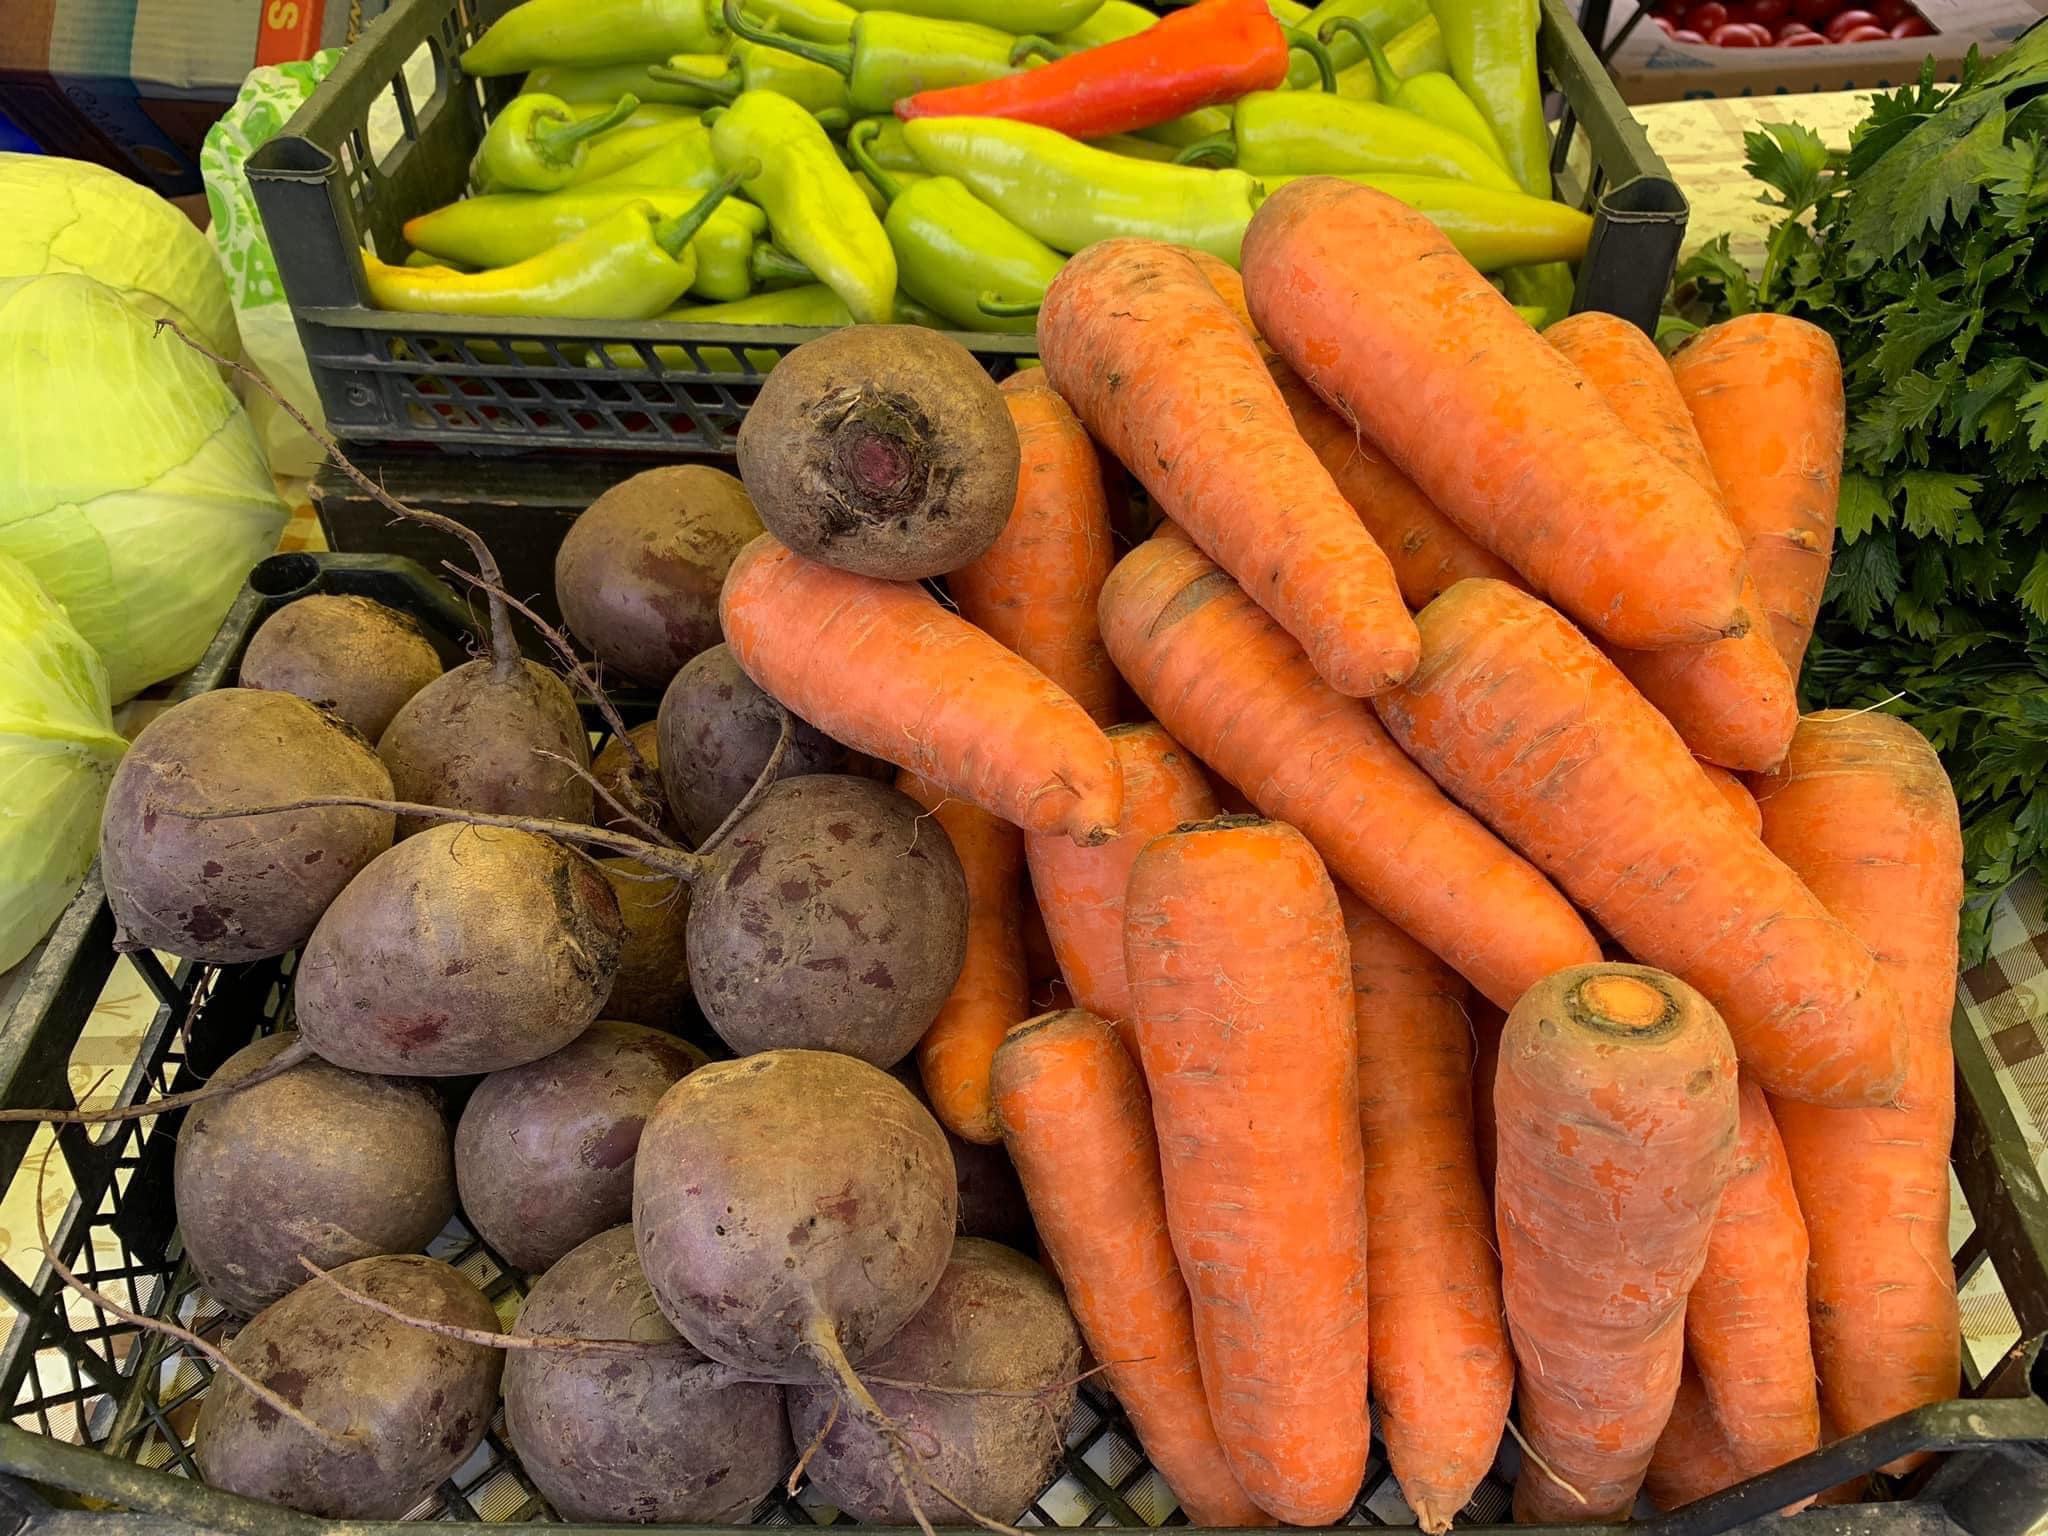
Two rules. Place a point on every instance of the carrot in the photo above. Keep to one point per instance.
(1242, 992)
(1368, 301)
(1693, 1457)
(1765, 392)
(1034, 589)
(1222, 276)
(1616, 1100)
(1039, 964)
(991, 996)
(1230, 685)
(1487, 1023)
(881, 667)
(1520, 718)
(1165, 377)
(1862, 810)
(1746, 1322)
(1078, 1127)
(1081, 890)
(1736, 793)
(1429, 552)
(1441, 1370)
(1732, 700)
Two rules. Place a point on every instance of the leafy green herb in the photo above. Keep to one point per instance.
(1921, 252)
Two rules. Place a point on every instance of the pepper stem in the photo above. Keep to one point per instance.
(831, 55)
(832, 119)
(771, 264)
(673, 234)
(720, 88)
(1007, 309)
(559, 141)
(1382, 67)
(1033, 46)
(1217, 149)
(857, 142)
(1326, 67)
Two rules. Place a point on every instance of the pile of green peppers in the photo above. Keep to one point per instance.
(736, 161)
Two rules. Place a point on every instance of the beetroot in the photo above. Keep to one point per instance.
(544, 1153)
(638, 574)
(996, 1325)
(464, 949)
(617, 1436)
(237, 888)
(352, 657)
(652, 984)
(403, 1407)
(635, 784)
(319, 1162)
(831, 919)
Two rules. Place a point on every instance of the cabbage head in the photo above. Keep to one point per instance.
(58, 748)
(131, 482)
(68, 216)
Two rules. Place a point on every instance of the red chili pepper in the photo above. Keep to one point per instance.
(1212, 52)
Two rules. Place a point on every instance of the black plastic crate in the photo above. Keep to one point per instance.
(99, 1412)
(520, 385)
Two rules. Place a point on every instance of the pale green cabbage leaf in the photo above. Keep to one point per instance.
(131, 482)
(58, 748)
(69, 216)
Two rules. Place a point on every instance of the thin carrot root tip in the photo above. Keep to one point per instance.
(1622, 1002)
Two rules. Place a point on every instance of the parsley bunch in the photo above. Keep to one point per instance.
(1921, 252)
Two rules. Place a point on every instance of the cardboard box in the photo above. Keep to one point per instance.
(135, 84)
(1649, 66)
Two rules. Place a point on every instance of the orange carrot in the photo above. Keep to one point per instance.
(1242, 992)
(1039, 964)
(1518, 715)
(1162, 373)
(1745, 1325)
(1368, 301)
(1693, 1457)
(1079, 1129)
(1732, 700)
(1081, 890)
(1862, 810)
(1222, 276)
(1429, 552)
(990, 998)
(1441, 1370)
(1487, 1023)
(1034, 589)
(1765, 392)
(1231, 686)
(881, 667)
(1736, 793)
(1616, 1099)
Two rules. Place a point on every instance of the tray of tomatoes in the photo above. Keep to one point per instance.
(1788, 23)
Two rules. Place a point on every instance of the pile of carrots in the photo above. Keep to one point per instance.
(1474, 984)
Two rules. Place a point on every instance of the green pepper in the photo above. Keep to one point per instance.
(951, 247)
(1305, 132)
(1006, 15)
(734, 258)
(1492, 49)
(1070, 194)
(1383, 19)
(601, 83)
(886, 145)
(535, 145)
(755, 67)
(662, 155)
(541, 33)
(892, 56)
(814, 304)
(1135, 148)
(649, 114)
(815, 207)
(873, 193)
(1493, 229)
(631, 265)
(1112, 22)
(818, 21)
(500, 228)
(1432, 96)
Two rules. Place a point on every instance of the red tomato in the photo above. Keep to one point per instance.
(1891, 12)
(1739, 14)
(1664, 24)
(1735, 35)
(1871, 34)
(1706, 16)
(1769, 13)
(1808, 39)
(1842, 21)
(1686, 35)
(1912, 26)
(1815, 12)
(1794, 29)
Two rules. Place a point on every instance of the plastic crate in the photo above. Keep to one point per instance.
(99, 1412)
(326, 191)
